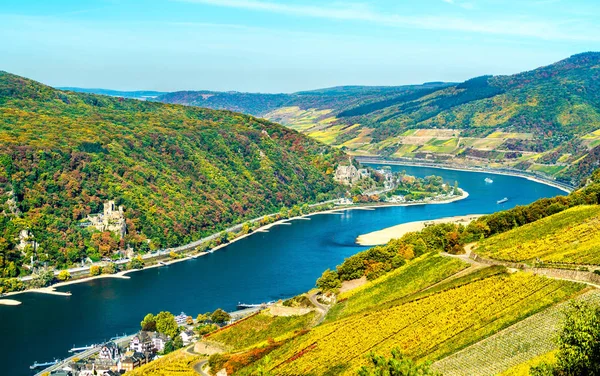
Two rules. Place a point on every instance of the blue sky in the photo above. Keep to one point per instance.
(285, 46)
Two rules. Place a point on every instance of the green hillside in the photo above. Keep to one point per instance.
(568, 237)
(545, 121)
(425, 297)
(180, 172)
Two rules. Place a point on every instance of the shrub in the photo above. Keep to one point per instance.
(110, 268)
(329, 281)
(95, 270)
(136, 263)
(219, 316)
(64, 276)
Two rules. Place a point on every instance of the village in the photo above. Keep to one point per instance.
(125, 353)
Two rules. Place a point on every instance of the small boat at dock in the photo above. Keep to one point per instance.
(245, 306)
(502, 201)
(36, 365)
(82, 348)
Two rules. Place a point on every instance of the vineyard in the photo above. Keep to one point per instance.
(178, 363)
(523, 369)
(259, 328)
(428, 329)
(414, 276)
(567, 237)
(518, 344)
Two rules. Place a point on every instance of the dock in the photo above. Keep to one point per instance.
(261, 305)
(82, 348)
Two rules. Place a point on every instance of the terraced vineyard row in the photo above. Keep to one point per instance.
(410, 278)
(566, 237)
(429, 328)
(178, 363)
(514, 345)
(260, 328)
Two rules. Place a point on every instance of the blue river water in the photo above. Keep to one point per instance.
(280, 263)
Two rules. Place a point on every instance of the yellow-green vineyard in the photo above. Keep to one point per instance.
(429, 328)
(568, 237)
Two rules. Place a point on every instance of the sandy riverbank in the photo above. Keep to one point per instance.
(395, 232)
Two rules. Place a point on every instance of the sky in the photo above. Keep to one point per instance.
(286, 46)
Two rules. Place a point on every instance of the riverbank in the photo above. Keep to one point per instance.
(265, 228)
(536, 178)
(384, 236)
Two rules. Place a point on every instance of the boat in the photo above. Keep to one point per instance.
(502, 201)
(488, 180)
(83, 348)
(261, 305)
(44, 365)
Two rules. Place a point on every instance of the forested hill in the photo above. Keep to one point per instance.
(180, 172)
(257, 104)
(543, 121)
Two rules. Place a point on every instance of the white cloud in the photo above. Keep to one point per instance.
(360, 12)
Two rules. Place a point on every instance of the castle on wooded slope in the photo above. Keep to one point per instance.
(112, 219)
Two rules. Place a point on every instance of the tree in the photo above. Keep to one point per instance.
(64, 275)
(95, 270)
(203, 317)
(43, 278)
(166, 324)
(110, 268)
(178, 342)
(149, 323)
(169, 347)
(189, 320)
(578, 344)
(136, 263)
(206, 328)
(219, 316)
(397, 365)
(579, 340)
(329, 281)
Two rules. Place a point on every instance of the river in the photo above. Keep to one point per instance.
(280, 263)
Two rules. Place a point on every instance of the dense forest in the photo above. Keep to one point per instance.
(179, 172)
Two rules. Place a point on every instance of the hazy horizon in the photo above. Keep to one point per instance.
(286, 46)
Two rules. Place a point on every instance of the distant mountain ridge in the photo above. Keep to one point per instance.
(138, 94)
(544, 121)
(259, 104)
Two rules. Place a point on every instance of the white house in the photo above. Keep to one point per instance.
(109, 351)
(187, 337)
(159, 340)
(141, 342)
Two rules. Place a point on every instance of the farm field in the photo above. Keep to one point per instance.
(566, 237)
(426, 329)
(515, 345)
(408, 279)
(178, 363)
(259, 328)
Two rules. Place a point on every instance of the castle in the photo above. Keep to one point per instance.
(112, 219)
(348, 175)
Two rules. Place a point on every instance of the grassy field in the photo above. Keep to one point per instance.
(258, 329)
(517, 344)
(427, 328)
(417, 275)
(566, 237)
(178, 363)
